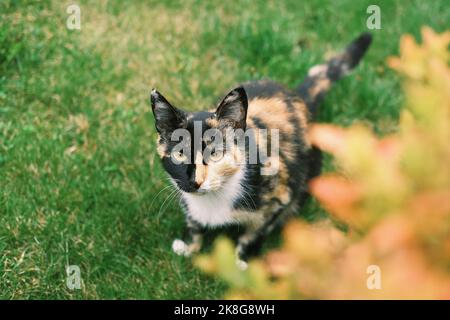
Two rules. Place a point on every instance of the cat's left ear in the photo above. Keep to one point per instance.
(233, 108)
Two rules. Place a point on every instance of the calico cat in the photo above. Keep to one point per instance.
(231, 189)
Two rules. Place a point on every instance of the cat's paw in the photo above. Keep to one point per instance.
(181, 248)
(241, 264)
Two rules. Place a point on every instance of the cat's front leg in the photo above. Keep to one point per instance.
(192, 242)
(251, 241)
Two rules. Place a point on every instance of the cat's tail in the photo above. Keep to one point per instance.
(322, 76)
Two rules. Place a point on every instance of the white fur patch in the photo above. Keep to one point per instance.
(215, 208)
(241, 264)
(180, 248)
(318, 69)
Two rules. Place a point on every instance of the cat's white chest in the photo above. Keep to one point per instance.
(215, 208)
(210, 210)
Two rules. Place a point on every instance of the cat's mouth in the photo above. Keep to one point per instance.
(201, 192)
(205, 190)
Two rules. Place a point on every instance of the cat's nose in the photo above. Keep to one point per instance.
(200, 175)
(194, 186)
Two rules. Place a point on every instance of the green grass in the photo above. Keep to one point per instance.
(79, 173)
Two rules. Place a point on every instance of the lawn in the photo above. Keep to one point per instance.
(80, 179)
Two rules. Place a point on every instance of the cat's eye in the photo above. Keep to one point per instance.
(216, 156)
(179, 156)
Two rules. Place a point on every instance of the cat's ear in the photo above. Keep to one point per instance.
(232, 110)
(167, 117)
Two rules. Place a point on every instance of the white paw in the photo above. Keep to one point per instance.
(180, 248)
(317, 69)
(241, 264)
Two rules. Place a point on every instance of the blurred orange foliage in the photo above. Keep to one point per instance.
(392, 193)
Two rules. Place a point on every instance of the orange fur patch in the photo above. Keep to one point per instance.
(273, 112)
(200, 173)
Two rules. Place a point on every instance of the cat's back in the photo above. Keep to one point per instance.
(273, 106)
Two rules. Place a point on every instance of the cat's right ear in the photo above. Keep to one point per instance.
(167, 117)
(233, 108)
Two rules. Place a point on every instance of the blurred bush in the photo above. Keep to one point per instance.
(393, 194)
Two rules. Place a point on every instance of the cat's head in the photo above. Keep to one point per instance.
(192, 145)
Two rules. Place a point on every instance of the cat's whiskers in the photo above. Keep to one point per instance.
(245, 200)
(154, 198)
(246, 192)
(174, 193)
